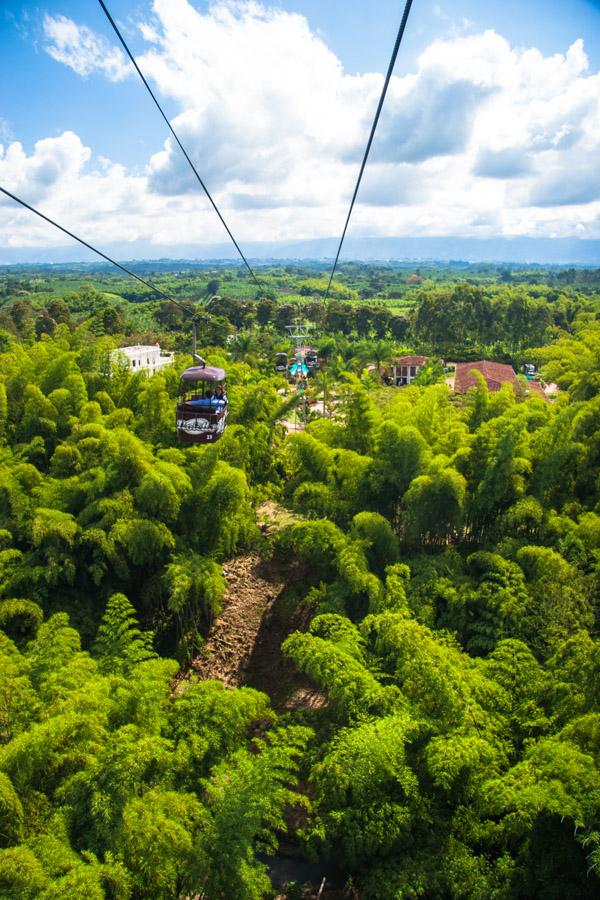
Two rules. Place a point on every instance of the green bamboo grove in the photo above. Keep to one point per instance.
(446, 555)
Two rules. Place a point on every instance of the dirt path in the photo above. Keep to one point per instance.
(262, 606)
(244, 643)
(252, 589)
(244, 648)
(272, 517)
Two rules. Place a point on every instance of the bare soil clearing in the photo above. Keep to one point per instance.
(244, 644)
(244, 648)
(228, 650)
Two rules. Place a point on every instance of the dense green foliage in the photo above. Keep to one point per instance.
(447, 555)
(459, 311)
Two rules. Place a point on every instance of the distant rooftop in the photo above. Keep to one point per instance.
(139, 348)
(495, 374)
(410, 360)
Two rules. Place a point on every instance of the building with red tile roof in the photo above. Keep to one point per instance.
(495, 375)
(406, 368)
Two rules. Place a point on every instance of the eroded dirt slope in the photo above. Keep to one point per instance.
(244, 644)
(252, 589)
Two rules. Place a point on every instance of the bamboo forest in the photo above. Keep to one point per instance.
(349, 647)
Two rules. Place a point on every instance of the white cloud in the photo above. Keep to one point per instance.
(576, 185)
(96, 199)
(481, 139)
(54, 162)
(82, 50)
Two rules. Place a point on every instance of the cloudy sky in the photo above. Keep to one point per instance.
(491, 127)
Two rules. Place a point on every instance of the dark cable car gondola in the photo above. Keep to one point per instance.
(311, 361)
(281, 363)
(202, 406)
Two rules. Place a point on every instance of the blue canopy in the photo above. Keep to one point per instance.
(297, 369)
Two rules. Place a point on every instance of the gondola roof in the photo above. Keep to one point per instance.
(203, 373)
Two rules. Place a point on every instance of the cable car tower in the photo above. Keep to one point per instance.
(299, 333)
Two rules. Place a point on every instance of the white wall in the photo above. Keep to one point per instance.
(143, 358)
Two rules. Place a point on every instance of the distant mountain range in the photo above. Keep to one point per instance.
(544, 251)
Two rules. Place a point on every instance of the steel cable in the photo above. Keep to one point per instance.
(109, 259)
(388, 77)
(181, 147)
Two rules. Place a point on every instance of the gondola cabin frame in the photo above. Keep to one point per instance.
(201, 416)
(281, 363)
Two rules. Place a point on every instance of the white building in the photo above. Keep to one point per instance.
(143, 358)
(406, 368)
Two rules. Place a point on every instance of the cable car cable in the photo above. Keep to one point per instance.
(109, 259)
(388, 77)
(181, 147)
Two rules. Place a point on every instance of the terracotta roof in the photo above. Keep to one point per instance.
(495, 374)
(536, 386)
(410, 360)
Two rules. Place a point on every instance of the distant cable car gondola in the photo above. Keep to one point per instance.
(202, 406)
(281, 363)
(311, 361)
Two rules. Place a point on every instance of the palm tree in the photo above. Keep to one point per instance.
(327, 349)
(291, 402)
(324, 380)
(243, 347)
(375, 352)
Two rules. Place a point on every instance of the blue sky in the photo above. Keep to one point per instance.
(274, 137)
(40, 98)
